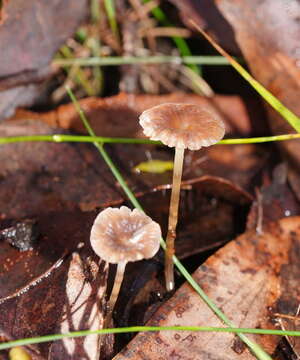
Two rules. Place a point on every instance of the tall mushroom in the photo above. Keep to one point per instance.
(181, 126)
(119, 236)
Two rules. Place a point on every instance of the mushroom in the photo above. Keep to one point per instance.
(181, 126)
(119, 236)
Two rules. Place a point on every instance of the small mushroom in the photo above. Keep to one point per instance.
(119, 236)
(183, 126)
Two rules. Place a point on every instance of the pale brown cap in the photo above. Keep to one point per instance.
(182, 125)
(122, 235)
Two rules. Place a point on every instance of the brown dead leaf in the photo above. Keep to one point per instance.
(241, 164)
(41, 177)
(246, 279)
(83, 310)
(23, 95)
(31, 32)
(268, 35)
(206, 14)
(22, 269)
(65, 297)
(66, 230)
(270, 43)
(209, 205)
(45, 26)
(118, 115)
(274, 200)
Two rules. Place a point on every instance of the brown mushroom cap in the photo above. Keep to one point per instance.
(122, 235)
(182, 125)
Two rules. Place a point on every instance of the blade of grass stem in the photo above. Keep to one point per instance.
(95, 11)
(134, 329)
(198, 84)
(255, 348)
(287, 114)
(95, 45)
(261, 139)
(111, 14)
(59, 138)
(131, 60)
(76, 73)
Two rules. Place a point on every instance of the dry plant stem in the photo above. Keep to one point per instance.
(173, 216)
(115, 292)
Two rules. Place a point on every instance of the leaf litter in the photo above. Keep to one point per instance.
(245, 279)
(45, 26)
(272, 54)
(209, 219)
(215, 194)
(61, 186)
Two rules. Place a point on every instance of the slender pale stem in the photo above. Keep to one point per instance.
(115, 291)
(173, 216)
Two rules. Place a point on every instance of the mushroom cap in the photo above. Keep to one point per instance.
(122, 235)
(182, 125)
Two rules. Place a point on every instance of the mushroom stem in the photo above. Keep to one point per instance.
(115, 291)
(173, 216)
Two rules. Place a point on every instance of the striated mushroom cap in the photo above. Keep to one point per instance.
(182, 125)
(122, 235)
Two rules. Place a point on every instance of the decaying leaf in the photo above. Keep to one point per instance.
(240, 164)
(65, 275)
(84, 309)
(268, 34)
(27, 53)
(210, 206)
(66, 297)
(44, 28)
(274, 200)
(23, 95)
(41, 177)
(118, 115)
(247, 279)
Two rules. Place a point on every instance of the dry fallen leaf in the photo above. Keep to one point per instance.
(267, 33)
(41, 177)
(118, 115)
(66, 297)
(83, 309)
(72, 278)
(28, 53)
(246, 279)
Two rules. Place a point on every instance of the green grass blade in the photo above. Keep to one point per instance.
(59, 138)
(111, 14)
(134, 329)
(131, 60)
